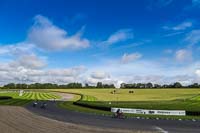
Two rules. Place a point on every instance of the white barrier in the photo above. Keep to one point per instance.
(154, 112)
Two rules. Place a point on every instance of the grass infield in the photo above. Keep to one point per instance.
(25, 98)
(161, 99)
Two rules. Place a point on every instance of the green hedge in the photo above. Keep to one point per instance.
(5, 97)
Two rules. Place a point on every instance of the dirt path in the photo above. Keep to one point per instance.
(20, 120)
(65, 96)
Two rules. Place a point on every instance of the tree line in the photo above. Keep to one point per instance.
(98, 85)
(55, 86)
(150, 85)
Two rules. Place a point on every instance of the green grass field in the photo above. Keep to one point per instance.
(26, 97)
(166, 99)
(162, 99)
(139, 94)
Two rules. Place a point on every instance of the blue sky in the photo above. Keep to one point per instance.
(64, 41)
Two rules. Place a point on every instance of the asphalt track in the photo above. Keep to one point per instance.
(151, 125)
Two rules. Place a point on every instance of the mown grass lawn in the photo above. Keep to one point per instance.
(138, 95)
(189, 102)
(161, 99)
(25, 98)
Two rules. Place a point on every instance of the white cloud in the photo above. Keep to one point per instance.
(16, 49)
(70, 72)
(183, 55)
(173, 34)
(180, 27)
(147, 71)
(127, 58)
(91, 81)
(105, 80)
(44, 34)
(29, 61)
(24, 63)
(183, 26)
(28, 67)
(100, 75)
(197, 72)
(121, 35)
(18, 74)
(193, 37)
(133, 72)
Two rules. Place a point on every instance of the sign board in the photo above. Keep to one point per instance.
(153, 112)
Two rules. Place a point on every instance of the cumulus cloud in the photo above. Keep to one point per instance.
(121, 35)
(130, 73)
(71, 72)
(100, 75)
(28, 67)
(44, 34)
(127, 58)
(25, 65)
(93, 81)
(183, 55)
(16, 49)
(18, 74)
(29, 61)
(197, 72)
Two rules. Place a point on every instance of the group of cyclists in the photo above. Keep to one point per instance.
(42, 105)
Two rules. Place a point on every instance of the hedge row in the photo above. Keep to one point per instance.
(104, 108)
(5, 97)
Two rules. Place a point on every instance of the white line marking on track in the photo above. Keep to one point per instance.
(160, 130)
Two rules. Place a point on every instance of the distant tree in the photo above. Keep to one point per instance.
(108, 86)
(165, 86)
(194, 85)
(122, 85)
(86, 85)
(157, 86)
(177, 85)
(99, 85)
(112, 86)
(149, 85)
(24, 86)
(10, 86)
(74, 85)
(18, 86)
(138, 85)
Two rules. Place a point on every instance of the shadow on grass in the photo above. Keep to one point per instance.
(14, 102)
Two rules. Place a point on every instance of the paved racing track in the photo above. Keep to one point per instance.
(163, 126)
